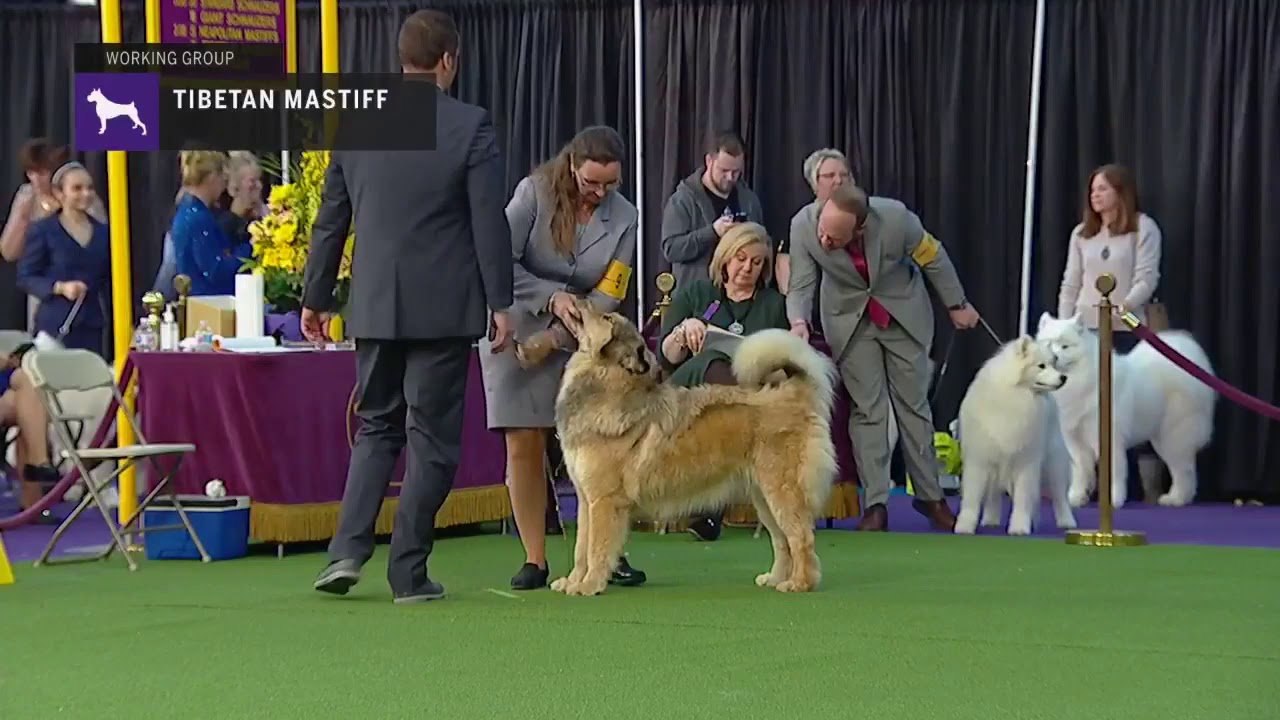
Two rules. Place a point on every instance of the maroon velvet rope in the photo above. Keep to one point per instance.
(1220, 386)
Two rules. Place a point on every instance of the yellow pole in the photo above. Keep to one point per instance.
(329, 61)
(329, 36)
(291, 35)
(153, 21)
(121, 281)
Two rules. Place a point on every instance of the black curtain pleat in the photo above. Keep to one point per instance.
(1187, 94)
(898, 86)
(929, 99)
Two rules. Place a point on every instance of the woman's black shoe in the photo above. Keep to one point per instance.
(706, 529)
(530, 577)
(45, 475)
(627, 576)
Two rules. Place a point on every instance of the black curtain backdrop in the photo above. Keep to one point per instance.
(37, 42)
(927, 116)
(928, 99)
(1187, 94)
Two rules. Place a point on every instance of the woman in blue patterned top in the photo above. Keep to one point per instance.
(202, 250)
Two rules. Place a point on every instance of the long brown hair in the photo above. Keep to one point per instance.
(596, 144)
(1121, 180)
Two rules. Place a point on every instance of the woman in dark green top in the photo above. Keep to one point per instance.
(737, 298)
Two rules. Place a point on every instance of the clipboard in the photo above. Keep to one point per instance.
(721, 340)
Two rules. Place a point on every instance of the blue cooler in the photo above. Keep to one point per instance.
(221, 523)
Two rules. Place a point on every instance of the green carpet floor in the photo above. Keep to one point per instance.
(905, 627)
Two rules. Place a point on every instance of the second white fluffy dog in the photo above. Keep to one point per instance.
(1009, 432)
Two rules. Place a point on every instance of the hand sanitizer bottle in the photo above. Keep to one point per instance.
(168, 330)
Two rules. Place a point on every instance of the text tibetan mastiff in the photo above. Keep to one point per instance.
(633, 443)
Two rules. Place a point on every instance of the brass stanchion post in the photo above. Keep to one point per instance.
(666, 282)
(1106, 535)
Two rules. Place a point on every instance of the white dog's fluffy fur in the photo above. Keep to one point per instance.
(1154, 401)
(1012, 441)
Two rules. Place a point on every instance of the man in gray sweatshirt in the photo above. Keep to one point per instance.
(705, 205)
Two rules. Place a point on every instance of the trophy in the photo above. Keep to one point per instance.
(154, 303)
(182, 284)
(666, 282)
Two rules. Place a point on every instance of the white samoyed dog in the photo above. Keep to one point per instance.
(1153, 401)
(1012, 442)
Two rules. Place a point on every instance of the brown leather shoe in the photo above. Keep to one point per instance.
(874, 519)
(938, 513)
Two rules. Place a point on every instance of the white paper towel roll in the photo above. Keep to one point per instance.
(251, 306)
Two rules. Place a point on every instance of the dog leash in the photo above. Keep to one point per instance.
(71, 317)
(946, 355)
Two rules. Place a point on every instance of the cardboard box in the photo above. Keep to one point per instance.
(218, 311)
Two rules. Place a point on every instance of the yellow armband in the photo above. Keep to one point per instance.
(617, 277)
(927, 251)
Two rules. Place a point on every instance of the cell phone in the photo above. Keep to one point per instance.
(739, 217)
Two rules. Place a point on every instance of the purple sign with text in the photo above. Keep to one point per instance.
(117, 111)
(223, 21)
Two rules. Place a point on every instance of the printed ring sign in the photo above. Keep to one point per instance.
(223, 21)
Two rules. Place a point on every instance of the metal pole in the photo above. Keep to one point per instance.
(1106, 535)
(291, 67)
(1033, 150)
(637, 46)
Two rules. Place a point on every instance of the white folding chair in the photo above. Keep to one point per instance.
(56, 371)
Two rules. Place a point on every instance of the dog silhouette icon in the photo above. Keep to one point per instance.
(108, 110)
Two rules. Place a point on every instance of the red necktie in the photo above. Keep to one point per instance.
(875, 311)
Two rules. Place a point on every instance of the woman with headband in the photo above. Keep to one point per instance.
(68, 259)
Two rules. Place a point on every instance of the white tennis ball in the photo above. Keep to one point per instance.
(215, 489)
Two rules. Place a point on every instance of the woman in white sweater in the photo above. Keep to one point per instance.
(1113, 238)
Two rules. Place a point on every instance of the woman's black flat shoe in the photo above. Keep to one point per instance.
(530, 577)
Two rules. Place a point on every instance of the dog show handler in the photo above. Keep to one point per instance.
(877, 318)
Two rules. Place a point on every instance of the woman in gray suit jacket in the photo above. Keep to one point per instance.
(572, 235)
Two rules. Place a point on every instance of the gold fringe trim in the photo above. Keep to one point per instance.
(842, 504)
(271, 523)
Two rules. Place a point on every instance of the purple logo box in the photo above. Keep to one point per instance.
(117, 111)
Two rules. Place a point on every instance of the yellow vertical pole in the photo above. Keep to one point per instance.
(329, 36)
(121, 280)
(291, 35)
(329, 61)
(153, 21)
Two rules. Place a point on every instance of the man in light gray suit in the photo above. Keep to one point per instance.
(878, 320)
(432, 251)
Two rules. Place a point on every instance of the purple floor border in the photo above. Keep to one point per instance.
(1207, 524)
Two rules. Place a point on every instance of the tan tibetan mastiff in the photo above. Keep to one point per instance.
(632, 443)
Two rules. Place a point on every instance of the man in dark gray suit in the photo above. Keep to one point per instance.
(432, 250)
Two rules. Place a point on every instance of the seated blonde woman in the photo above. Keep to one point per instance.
(738, 298)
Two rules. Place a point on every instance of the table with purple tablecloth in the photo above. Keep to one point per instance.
(274, 427)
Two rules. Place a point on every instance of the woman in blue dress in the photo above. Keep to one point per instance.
(202, 250)
(67, 259)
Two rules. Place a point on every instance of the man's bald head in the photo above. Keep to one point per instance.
(842, 216)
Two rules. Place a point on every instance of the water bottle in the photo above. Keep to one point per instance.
(204, 335)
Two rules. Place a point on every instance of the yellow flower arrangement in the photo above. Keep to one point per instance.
(282, 239)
